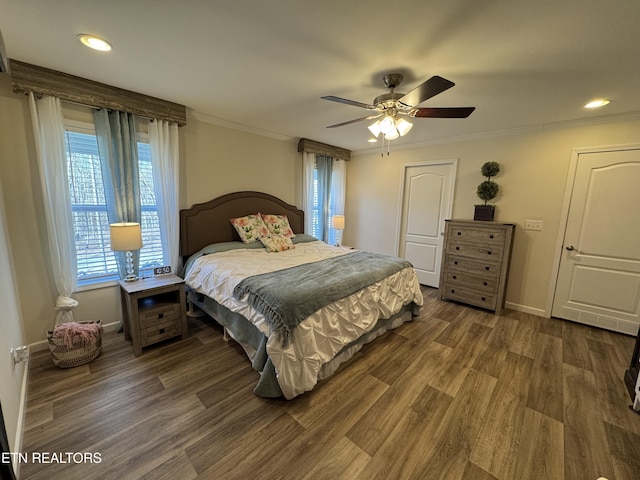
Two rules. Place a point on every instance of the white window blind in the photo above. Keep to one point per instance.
(95, 258)
(315, 225)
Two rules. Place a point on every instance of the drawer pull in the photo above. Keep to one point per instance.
(488, 252)
(486, 268)
(454, 277)
(453, 291)
(161, 315)
(485, 283)
(162, 329)
(483, 299)
(490, 236)
(459, 233)
(457, 248)
(455, 262)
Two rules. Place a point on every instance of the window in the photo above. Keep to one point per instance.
(96, 260)
(316, 230)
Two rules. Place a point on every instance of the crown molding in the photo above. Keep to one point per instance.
(210, 119)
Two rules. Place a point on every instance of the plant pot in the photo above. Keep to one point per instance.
(484, 212)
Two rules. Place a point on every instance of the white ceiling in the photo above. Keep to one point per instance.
(263, 65)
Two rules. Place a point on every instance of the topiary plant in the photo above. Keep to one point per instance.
(488, 189)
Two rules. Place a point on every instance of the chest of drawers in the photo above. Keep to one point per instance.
(475, 262)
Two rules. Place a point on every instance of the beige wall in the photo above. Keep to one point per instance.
(214, 160)
(221, 160)
(12, 375)
(532, 181)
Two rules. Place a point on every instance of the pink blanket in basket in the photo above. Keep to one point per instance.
(76, 334)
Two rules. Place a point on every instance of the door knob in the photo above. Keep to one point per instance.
(572, 248)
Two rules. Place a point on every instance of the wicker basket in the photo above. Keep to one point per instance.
(79, 354)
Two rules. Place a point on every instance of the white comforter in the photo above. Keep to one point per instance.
(321, 335)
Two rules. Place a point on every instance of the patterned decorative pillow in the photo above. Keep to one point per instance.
(278, 225)
(250, 228)
(277, 243)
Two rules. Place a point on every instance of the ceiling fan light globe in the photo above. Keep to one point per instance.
(387, 125)
(403, 126)
(392, 135)
(374, 128)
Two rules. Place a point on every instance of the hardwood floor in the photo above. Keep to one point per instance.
(456, 394)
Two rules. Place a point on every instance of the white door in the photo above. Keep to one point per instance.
(427, 200)
(599, 276)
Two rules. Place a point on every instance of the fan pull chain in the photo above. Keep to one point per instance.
(382, 147)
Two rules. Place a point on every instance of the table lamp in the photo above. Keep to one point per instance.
(337, 223)
(125, 237)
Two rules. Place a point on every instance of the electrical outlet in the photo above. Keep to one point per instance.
(533, 225)
(20, 354)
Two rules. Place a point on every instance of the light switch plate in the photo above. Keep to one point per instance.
(535, 225)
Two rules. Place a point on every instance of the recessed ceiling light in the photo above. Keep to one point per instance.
(94, 42)
(372, 140)
(597, 103)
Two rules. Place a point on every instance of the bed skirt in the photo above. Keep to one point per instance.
(254, 342)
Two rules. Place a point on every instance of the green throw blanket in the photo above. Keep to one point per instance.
(286, 297)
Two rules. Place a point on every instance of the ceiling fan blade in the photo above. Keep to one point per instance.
(354, 121)
(349, 102)
(428, 89)
(443, 112)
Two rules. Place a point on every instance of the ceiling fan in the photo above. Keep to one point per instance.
(391, 107)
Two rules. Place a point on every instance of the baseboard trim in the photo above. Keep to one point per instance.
(526, 309)
(44, 345)
(22, 413)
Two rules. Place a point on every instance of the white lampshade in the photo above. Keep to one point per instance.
(403, 126)
(337, 222)
(125, 236)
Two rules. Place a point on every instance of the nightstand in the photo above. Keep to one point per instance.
(153, 309)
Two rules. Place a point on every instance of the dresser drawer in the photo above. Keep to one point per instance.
(484, 284)
(480, 299)
(160, 331)
(472, 250)
(151, 317)
(476, 267)
(477, 235)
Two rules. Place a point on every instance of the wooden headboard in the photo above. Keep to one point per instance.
(207, 223)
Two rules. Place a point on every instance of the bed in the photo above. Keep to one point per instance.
(299, 310)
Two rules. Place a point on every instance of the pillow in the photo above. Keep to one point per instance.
(216, 248)
(278, 225)
(277, 243)
(249, 227)
(303, 238)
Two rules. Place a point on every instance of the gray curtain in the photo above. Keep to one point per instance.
(323, 167)
(118, 148)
